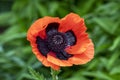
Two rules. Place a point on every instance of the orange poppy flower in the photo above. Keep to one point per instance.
(60, 42)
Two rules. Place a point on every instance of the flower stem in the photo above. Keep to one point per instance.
(54, 74)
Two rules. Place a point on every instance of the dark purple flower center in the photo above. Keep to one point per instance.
(56, 42)
(57, 39)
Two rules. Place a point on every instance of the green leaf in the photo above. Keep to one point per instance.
(83, 7)
(11, 34)
(87, 6)
(12, 37)
(93, 64)
(36, 75)
(19, 5)
(106, 24)
(112, 60)
(98, 74)
(108, 9)
(115, 43)
(53, 6)
(42, 10)
(5, 18)
(54, 74)
(115, 70)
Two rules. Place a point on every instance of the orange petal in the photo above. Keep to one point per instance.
(80, 46)
(44, 60)
(39, 26)
(76, 24)
(84, 57)
(38, 29)
(72, 21)
(57, 61)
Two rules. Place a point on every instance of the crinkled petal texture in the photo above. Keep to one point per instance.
(83, 57)
(82, 51)
(38, 29)
(76, 24)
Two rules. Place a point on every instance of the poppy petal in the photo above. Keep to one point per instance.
(38, 29)
(84, 57)
(71, 21)
(70, 37)
(40, 25)
(63, 55)
(44, 60)
(42, 46)
(76, 24)
(81, 45)
(57, 61)
(52, 28)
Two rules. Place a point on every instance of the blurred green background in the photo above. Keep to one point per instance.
(102, 19)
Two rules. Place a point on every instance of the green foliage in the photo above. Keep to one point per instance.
(36, 75)
(54, 74)
(102, 19)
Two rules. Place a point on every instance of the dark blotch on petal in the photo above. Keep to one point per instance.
(52, 28)
(63, 55)
(42, 47)
(66, 54)
(71, 37)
